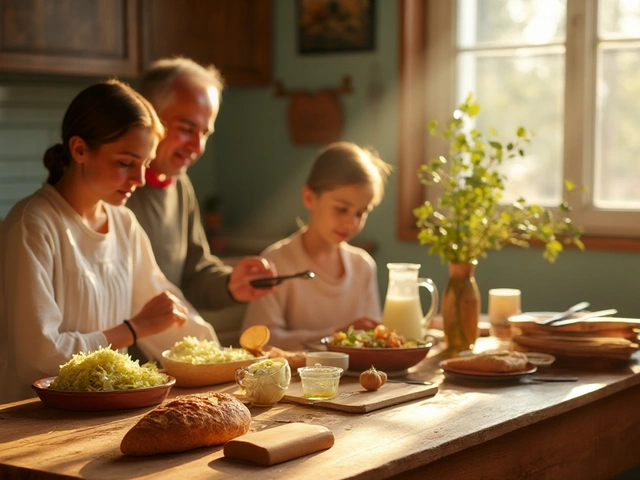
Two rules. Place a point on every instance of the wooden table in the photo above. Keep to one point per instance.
(586, 429)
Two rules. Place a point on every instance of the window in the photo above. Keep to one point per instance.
(564, 69)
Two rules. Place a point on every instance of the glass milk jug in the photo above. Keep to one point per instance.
(402, 307)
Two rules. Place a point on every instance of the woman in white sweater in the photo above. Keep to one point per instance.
(76, 269)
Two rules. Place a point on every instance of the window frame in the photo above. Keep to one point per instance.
(417, 30)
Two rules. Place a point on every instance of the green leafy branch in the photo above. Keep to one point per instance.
(468, 220)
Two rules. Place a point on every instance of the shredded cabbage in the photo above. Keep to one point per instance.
(106, 370)
(266, 367)
(197, 352)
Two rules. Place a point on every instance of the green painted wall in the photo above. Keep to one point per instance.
(259, 174)
(252, 164)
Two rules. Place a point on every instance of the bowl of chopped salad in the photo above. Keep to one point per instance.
(196, 363)
(381, 347)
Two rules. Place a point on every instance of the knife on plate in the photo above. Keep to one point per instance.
(566, 314)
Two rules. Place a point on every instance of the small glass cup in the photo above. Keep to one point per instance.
(319, 382)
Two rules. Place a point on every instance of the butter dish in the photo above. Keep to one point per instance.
(280, 444)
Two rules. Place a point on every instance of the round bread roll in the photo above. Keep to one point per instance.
(188, 422)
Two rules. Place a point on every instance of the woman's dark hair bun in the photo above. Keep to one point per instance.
(55, 160)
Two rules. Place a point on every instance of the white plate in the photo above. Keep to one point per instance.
(531, 316)
(540, 359)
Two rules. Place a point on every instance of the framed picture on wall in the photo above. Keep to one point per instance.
(329, 26)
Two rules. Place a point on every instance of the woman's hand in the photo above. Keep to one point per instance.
(161, 312)
(247, 269)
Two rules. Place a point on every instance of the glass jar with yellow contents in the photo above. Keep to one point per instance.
(319, 382)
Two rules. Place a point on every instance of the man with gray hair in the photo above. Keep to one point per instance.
(186, 96)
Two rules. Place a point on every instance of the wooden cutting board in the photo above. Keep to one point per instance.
(355, 399)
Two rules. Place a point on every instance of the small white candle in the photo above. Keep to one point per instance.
(503, 303)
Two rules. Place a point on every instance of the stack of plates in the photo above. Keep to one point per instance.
(605, 337)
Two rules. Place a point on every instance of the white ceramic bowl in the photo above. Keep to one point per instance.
(328, 359)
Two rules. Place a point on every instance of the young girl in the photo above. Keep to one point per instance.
(76, 269)
(345, 183)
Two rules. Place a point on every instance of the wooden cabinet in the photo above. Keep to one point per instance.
(75, 37)
(234, 35)
(121, 37)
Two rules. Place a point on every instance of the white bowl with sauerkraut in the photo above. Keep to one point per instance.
(197, 363)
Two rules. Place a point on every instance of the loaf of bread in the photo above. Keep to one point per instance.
(491, 362)
(188, 422)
